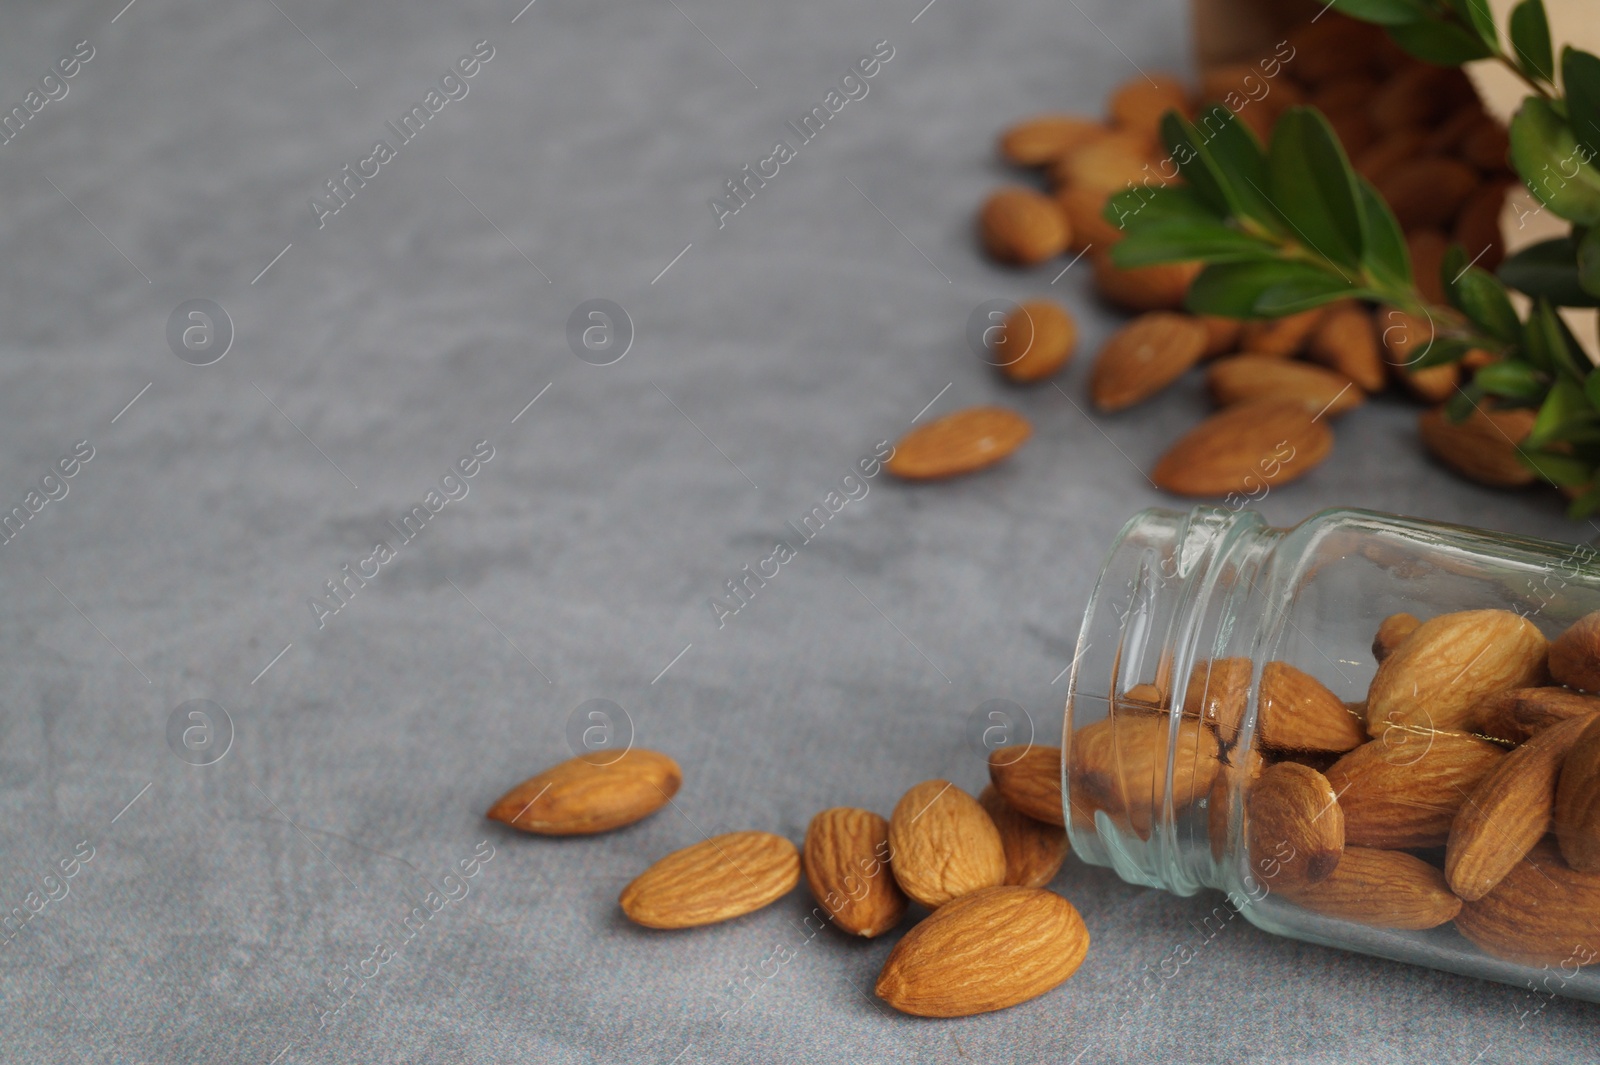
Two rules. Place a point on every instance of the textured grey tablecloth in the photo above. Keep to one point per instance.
(225, 907)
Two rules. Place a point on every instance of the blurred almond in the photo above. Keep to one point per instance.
(1222, 334)
(1249, 377)
(1108, 164)
(961, 442)
(1280, 336)
(846, 861)
(1427, 192)
(1034, 850)
(1029, 778)
(1138, 103)
(1427, 248)
(1022, 227)
(1035, 341)
(1346, 342)
(1244, 447)
(1487, 146)
(1575, 654)
(942, 845)
(1388, 151)
(1084, 208)
(1045, 138)
(1404, 790)
(1577, 810)
(1143, 357)
(593, 793)
(1483, 447)
(1418, 95)
(1144, 288)
(1382, 888)
(714, 880)
(1477, 226)
(1444, 669)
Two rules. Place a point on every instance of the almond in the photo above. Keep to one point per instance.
(579, 796)
(1418, 94)
(1388, 151)
(1577, 812)
(1218, 693)
(1029, 778)
(958, 443)
(1508, 812)
(1034, 850)
(1143, 288)
(1293, 807)
(1120, 765)
(1517, 714)
(1022, 227)
(1222, 334)
(1427, 248)
(1247, 377)
(1404, 791)
(714, 880)
(1083, 206)
(846, 859)
(1328, 48)
(1138, 103)
(1298, 713)
(1483, 447)
(1382, 888)
(1035, 341)
(1444, 669)
(1391, 631)
(1143, 357)
(1542, 913)
(1222, 811)
(1486, 146)
(986, 951)
(1406, 339)
(1427, 192)
(1045, 138)
(1575, 654)
(1477, 227)
(1243, 448)
(1346, 342)
(1108, 164)
(942, 845)
(1280, 336)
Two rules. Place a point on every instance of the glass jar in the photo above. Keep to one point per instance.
(1324, 798)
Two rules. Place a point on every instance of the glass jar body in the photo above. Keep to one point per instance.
(1228, 727)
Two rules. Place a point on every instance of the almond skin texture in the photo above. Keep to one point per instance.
(1247, 377)
(1298, 713)
(1575, 654)
(1218, 692)
(1022, 227)
(1143, 357)
(1034, 850)
(579, 797)
(1280, 336)
(1508, 812)
(846, 860)
(1293, 805)
(1577, 813)
(989, 950)
(1029, 778)
(714, 880)
(1119, 765)
(1143, 288)
(1437, 678)
(1391, 631)
(1345, 341)
(1035, 341)
(1385, 889)
(1481, 448)
(942, 845)
(1404, 792)
(1518, 713)
(1542, 913)
(958, 443)
(1244, 447)
(1045, 138)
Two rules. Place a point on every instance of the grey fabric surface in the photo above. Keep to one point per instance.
(221, 902)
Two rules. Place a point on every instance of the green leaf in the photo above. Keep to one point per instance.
(1384, 253)
(1314, 186)
(1265, 289)
(1383, 12)
(1566, 408)
(1588, 262)
(1184, 240)
(1584, 505)
(1550, 345)
(1591, 387)
(1483, 299)
(1131, 207)
(1548, 269)
(1512, 380)
(1546, 153)
(1234, 148)
(1459, 407)
(1439, 351)
(1561, 470)
(1435, 40)
(1187, 149)
(1530, 40)
(1580, 79)
(1475, 13)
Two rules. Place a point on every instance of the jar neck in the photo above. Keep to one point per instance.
(1178, 591)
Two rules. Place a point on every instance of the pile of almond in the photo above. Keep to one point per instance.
(991, 937)
(1417, 131)
(1465, 788)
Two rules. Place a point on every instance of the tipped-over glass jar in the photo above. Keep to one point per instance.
(1371, 732)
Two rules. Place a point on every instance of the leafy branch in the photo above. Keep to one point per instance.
(1291, 226)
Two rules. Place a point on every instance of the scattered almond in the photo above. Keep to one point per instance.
(1477, 227)
(596, 793)
(1428, 191)
(942, 845)
(1022, 227)
(1382, 888)
(1035, 341)
(1508, 811)
(1108, 164)
(1517, 714)
(1404, 791)
(1143, 357)
(1244, 447)
(1138, 103)
(1577, 810)
(1029, 778)
(1483, 447)
(1034, 850)
(1575, 654)
(1083, 206)
(1345, 341)
(1391, 631)
(986, 951)
(1444, 669)
(1544, 913)
(1280, 336)
(958, 443)
(1045, 138)
(1298, 713)
(1222, 334)
(1427, 248)
(1246, 377)
(1293, 806)
(714, 880)
(846, 860)
(1143, 288)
